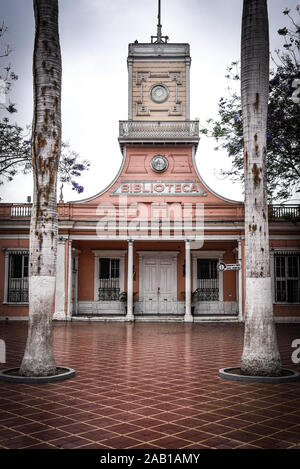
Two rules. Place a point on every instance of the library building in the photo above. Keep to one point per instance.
(157, 244)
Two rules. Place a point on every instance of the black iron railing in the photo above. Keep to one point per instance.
(288, 212)
(17, 290)
(109, 289)
(208, 290)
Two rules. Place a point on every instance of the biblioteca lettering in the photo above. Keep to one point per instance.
(159, 188)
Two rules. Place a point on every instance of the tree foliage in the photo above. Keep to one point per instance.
(13, 148)
(7, 75)
(15, 157)
(15, 142)
(283, 125)
(71, 167)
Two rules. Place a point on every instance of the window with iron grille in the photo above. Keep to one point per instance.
(18, 277)
(109, 275)
(287, 277)
(207, 280)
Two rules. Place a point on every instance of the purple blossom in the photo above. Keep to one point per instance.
(70, 161)
(77, 187)
(79, 167)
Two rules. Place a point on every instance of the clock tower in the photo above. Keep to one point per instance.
(159, 79)
(159, 94)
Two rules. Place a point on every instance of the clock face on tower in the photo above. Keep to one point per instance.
(159, 93)
(159, 163)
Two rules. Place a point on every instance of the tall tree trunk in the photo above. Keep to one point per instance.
(260, 354)
(38, 358)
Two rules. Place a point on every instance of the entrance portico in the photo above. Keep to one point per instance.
(148, 280)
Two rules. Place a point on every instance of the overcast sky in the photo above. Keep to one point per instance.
(94, 37)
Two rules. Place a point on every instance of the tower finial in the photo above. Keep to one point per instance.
(159, 38)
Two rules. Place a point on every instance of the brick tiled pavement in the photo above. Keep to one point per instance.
(148, 385)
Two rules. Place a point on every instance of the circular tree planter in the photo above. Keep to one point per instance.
(11, 375)
(234, 373)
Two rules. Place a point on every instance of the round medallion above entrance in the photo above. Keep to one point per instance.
(159, 93)
(159, 163)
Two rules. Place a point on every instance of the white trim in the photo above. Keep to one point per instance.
(19, 303)
(109, 252)
(99, 319)
(60, 280)
(225, 319)
(156, 238)
(157, 253)
(277, 226)
(187, 88)
(14, 318)
(188, 315)
(15, 249)
(158, 59)
(130, 315)
(208, 225)
(285, 237)
(15, 236)
(287, 319)
(75, 256)
(115, 254)
(69, 279)
(231, 226)
(6, 267)
(240, 281)
(130, 67)
(147, 238)
(284, 248)
(272, 267)
(208, 254)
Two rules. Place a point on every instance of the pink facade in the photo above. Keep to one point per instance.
(150, 246)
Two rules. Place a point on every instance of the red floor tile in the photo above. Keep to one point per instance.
(140, 386)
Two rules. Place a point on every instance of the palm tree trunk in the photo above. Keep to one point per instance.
(260, 354)
(38, 358)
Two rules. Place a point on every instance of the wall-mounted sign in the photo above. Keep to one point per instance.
(222, 266)
(163, 188)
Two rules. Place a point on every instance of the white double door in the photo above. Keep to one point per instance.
(158, 284)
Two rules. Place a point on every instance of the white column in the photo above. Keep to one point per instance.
(240, 294)
(69, 305)
(188, 293)
(272, 270)
(187, 73)
(129, 315)
(59, 313)
(129, 90)
(6, 273)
